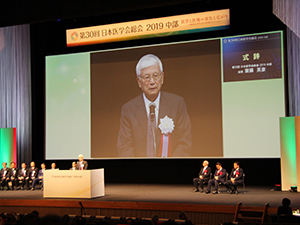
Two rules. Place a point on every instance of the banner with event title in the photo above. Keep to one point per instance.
(158, 27)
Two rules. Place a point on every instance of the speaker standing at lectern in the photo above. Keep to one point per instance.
(81, 164)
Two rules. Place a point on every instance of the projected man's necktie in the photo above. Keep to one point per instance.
(151, 146)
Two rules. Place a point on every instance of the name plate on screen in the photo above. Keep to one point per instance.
(150, 28)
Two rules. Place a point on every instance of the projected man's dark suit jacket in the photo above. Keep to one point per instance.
(132, 139)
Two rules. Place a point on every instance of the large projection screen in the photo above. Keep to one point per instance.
(231, 88)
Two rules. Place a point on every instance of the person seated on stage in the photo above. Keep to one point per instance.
(219, 176)
(22, 174)
(13, 175)
(204, 175)
(32, 173)
(74, 165)
(236, 177)
(39, 177)
(285, 209)
(81, 164)
(53, 166)
(4, 173)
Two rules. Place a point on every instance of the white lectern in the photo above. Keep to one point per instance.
(73, 183)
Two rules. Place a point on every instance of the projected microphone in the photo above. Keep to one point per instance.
(152, 111)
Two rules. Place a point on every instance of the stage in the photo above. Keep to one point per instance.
(144, 200)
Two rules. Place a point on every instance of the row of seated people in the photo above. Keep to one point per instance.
(235, 178)
(34, 218)
(24, 176)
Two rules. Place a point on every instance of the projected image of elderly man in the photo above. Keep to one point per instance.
(155, 123)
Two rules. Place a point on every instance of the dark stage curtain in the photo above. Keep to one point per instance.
(15, 86)
(293, 58)
(288, 12)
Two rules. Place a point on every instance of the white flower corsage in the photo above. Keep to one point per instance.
(166, 125)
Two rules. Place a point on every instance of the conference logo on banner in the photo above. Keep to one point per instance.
(74, 36)
(158, 27)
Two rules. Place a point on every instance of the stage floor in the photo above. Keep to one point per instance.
(183, 194)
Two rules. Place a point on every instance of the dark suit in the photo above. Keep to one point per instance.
(37, 179)
(22, 174)
(132, 138)
(205, 177)
(238, 179)
(221, 178)
(32, 173)
(13, 177)
(85, 165)
(4, 174)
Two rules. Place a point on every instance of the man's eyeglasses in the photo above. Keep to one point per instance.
(147, 77)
